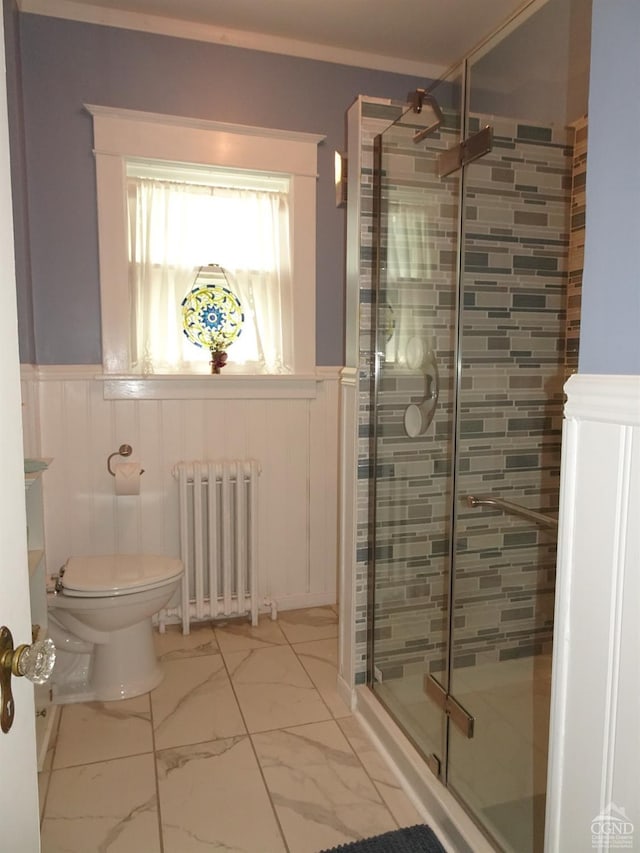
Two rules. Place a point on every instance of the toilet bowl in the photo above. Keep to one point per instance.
(99, 619)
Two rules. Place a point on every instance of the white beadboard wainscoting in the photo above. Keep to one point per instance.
(595, 700)
(291, 428)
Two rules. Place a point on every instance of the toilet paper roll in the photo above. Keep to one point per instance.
(127, 478)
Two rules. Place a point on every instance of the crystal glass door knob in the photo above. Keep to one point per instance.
(36, 661)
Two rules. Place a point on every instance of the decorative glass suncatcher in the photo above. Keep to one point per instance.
(212, 314)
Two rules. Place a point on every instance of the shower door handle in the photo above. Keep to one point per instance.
(418, 416)
(514, 509)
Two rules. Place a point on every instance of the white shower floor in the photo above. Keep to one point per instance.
(500, 774)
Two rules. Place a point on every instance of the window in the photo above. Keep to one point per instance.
(215, 165)
(182, 219)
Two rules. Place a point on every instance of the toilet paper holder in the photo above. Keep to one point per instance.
(123, 450)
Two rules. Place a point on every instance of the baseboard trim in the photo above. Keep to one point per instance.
(304, 600)
(345, 692)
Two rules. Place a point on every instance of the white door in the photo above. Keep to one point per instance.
(19, 831)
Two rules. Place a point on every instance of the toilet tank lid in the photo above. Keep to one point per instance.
(113, 572)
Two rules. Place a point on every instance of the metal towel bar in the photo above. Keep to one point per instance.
(514, 509)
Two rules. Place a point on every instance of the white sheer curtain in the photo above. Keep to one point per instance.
(175, 228)
(409, 274)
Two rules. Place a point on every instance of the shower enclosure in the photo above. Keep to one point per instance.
(472, 216)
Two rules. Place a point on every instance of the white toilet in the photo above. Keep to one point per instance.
(99, 618)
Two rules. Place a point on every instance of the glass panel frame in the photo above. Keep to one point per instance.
(414, 380)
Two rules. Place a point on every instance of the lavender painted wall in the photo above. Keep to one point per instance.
(18, 180)
(66, 64)
(610, 323)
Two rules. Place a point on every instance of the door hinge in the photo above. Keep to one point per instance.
(452, 708)
(465, 152)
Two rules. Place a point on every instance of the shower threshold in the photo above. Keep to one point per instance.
(438, 807)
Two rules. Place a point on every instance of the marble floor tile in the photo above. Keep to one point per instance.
(174, 644)
(314, 623)
(322, 795)
(240, 635)
(212, 796)
(273, 689)
(398, 803)
(107, 806)
(45, 774)
(316, 778)
(47, 763)
(194, 703)
(320, 660)
(43, 787)
(98, 731)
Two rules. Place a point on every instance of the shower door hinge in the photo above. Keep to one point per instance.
(465, 152)
(434, 764)
(452, 708)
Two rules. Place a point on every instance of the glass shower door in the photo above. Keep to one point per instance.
(413, 422)
(472, 354)
(511, 352)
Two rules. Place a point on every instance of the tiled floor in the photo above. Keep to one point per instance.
(245, 746)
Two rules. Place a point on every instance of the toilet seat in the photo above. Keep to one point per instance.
(117, 574)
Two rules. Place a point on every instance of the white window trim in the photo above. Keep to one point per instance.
(120, 134)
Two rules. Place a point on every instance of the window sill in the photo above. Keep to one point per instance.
(208, 387)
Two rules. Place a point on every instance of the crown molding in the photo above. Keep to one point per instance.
(176, 28)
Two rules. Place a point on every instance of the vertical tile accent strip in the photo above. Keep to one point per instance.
(576, 244)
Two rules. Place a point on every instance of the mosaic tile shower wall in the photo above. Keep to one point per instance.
(512, 369)
(375, 118)
(514, 316)
(576, 243)
(420, 216)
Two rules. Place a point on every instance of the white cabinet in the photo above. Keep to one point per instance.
(45, 710)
